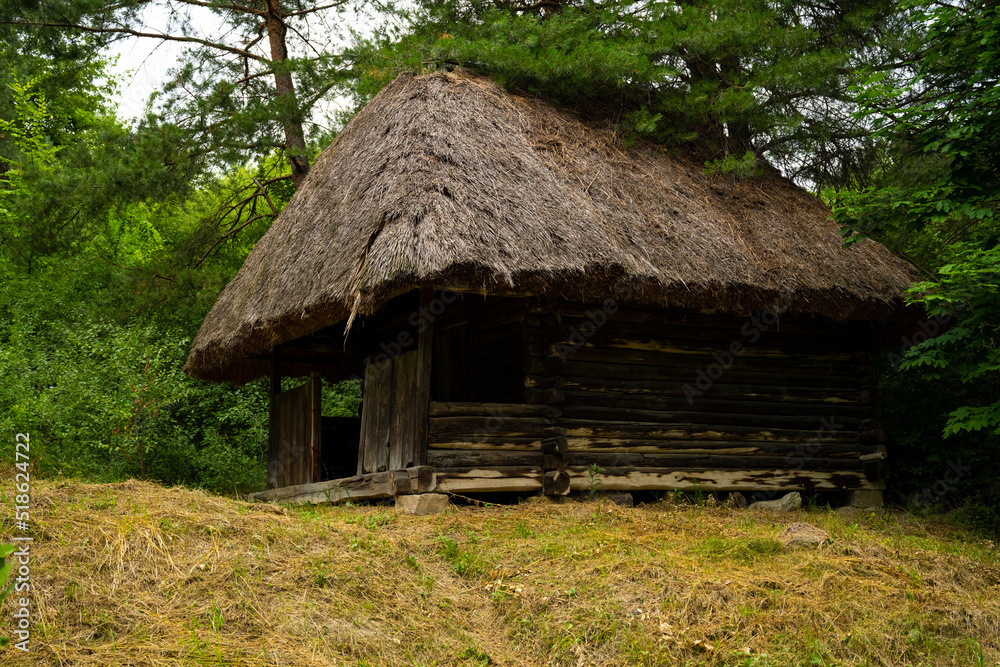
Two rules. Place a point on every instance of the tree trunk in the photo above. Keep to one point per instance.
(295, 143)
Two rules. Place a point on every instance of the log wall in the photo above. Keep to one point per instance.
(663, 400)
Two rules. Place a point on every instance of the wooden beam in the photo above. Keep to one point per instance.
(422, 397)
(273, 427)
(652, 479)
(316, 426)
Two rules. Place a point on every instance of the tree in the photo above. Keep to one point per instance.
(740, 81)
(945, 123)
(220, 95)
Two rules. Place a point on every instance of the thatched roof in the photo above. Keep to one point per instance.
(447, 180)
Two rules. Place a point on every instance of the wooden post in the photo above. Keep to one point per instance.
(422, 396)
(315, 426)
(273, 427)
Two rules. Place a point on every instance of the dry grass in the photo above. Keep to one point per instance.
(137, 574)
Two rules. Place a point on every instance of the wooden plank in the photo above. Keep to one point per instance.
(486, 443)
(582, 446)
(376, 416)
(497, 425)
(459, 458)
(404, 411)
(822, 338)
(422, 397)
(641, 430)
(578, 410)
(780, 479)
(587, 362)
(294, 463)
(720, 390)
(479, 480)
(273, 425)
(315, 428)
(492, 409)
(719, 406)
(729, 322)
(684, 460)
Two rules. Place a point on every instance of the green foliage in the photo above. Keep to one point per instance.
(5, 569)
(730, 76)
(948, 113)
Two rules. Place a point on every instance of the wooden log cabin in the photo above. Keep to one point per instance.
(533, 307)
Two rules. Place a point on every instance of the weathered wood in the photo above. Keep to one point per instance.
(273, 425)
(719, 390)
(544, 396)
(423, 479)
(376, 417)
(679, 460)
(438, 409)
(359, 487)
(405, 411)
(556, 483)
(479, 442)
(583, 446)
(478, 480)
(472, 458)
(499, 425)
(294, 462)
(399, 482)
(422, 395)
(588, 362)
(541, 381)
(720, 480)
(697, 320)
(722, 337)
(555, 445)
(641, 430)
(315, 428)
(621, 410)
(658, 401)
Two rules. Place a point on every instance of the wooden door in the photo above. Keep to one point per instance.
(391, 414)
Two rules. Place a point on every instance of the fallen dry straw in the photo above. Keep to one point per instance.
(136, 574)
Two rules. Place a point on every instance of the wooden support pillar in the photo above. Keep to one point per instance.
(422, 397)
(315, 425)
(273, 426)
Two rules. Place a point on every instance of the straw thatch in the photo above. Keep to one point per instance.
(447, 180)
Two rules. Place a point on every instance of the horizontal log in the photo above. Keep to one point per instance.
(484, 443)
(494, 426)
(728, 322)
(697, 346)
(578, 408)
(491, 410)
(711, 480)
(589, 362)
(542, 382)
(714, 405)
(588, 427)
(719, 337)
(459, 458)
(611, 462)
(359, 487)
(517, 479)
(544, 396)
(735, 447)
(736, 392)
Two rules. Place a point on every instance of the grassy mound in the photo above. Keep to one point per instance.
(138, 574)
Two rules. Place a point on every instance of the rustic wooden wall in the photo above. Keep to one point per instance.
(653, 399)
